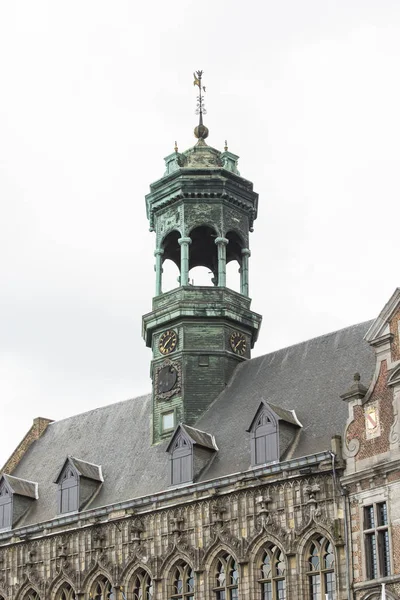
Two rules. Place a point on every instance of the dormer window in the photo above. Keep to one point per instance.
(181, 461)
(78, 481)
(265, 436)
(69, 491)
(190, 452)
(16, 497)
(273, 431)
(5, 506)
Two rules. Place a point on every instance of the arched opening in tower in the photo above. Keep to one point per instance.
(171, 261)
(233, 260)
(203, 256)
(170, 276)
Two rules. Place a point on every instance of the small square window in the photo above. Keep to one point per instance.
(168, 420)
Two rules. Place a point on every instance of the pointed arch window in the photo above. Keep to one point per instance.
(321, 570)
(273, 574)
(183, 582)
(181, 461)
(31, 595)
(5, 506)
(101, 589)
(226, 578)
(66, 592)
(143, 586)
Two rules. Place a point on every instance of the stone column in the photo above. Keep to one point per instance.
(244, 272)
(184, 243)
(158, 269)
(221, 243)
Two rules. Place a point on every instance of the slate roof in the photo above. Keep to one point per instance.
(307, 377)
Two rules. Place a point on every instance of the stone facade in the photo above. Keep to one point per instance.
(288, 510)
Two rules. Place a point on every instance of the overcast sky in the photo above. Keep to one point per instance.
(93, 95)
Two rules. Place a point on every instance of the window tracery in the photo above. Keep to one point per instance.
(142, 586)
(226, 585)
(31, 594)
(101, 589)
(183, 582)
(273, 574)
(321, 570)
(66, 592)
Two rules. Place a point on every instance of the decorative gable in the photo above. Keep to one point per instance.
(16, 497)
(273, 431)
(385, 328)
(78, 481)
(190, 452)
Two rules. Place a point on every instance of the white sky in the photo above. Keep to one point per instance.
(93, 95)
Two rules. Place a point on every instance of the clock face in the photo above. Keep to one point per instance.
(238, 343)
(167, 378)
(168, 341)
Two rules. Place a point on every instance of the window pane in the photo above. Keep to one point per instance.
(369, 519)
(267, 590)
(330, 585)
(281, 590)
(370, 546)
(382, 514)
(168, 421)
(315, 587)
(383, 538)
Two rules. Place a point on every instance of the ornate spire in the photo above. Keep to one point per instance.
(201, 131)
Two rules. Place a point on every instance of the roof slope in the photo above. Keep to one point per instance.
(307, 377)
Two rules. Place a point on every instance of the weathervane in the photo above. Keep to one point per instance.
(201, 130)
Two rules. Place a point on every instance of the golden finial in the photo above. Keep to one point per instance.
(176, 146)
(226, 146)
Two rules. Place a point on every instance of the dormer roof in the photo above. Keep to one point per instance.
(22, 487)
(281, 414)
(196, 436)
(82, 468)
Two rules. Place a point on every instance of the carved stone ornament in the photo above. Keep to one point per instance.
(176, 389)
(177, 522)
(135, 530)
(182, 546)
(98, 538)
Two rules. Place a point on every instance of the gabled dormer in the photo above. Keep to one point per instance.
(78, 481)
(273, 431)
(190, 452)
(16, 497)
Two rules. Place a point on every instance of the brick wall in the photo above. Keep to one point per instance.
(38, 428)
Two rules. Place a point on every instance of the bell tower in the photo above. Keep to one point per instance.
(201, 211)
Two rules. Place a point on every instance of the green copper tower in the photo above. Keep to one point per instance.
(201, 211)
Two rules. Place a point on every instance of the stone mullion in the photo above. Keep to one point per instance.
(184, 243)
(158, 269)
(221, 244)
(244, 272)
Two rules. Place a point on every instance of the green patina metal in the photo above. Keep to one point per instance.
(201, 211)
